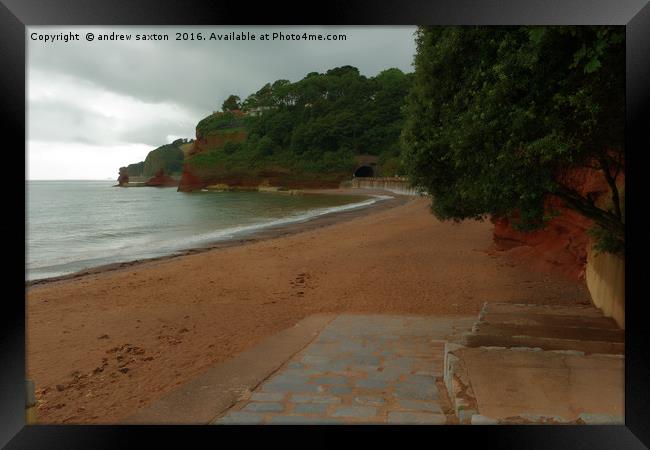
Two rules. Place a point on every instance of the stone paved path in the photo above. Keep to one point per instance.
(360, 369)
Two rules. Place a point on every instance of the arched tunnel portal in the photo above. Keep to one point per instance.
(364, 171)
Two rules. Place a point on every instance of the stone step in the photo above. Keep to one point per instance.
(524, 319)
(549, 327)
(545, 343)
(520, 363)
(556, 310)
(546, 331)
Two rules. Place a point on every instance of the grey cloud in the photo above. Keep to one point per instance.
(154, 134)
(172, 85)
(199, 75)
(59, 122)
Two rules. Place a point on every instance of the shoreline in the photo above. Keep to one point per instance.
(266, 233)
(102, 346)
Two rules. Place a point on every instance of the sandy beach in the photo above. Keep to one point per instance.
(101, 345)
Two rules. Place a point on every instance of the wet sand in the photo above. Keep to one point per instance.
(101, 345)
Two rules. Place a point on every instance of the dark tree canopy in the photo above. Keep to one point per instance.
(231, 103)
(338, 110)
(498, 115)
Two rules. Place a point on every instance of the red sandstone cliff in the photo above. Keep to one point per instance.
(562, 245)
(190, 180)
(161, 180)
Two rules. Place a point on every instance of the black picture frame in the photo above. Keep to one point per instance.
(15, 15)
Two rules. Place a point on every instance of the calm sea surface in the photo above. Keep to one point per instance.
(74, 225)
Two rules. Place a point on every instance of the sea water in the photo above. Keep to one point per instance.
(76, 225)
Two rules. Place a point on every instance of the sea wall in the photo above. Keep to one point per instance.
(393, 184)
(605, 277)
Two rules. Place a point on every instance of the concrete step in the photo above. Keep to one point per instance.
(545, 343)
(549, 327)
(507, 386)
(548, 364)
(555, 310)
(553, 320)
(558, 332)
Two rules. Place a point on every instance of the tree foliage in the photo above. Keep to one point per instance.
(498, 116)
(231, 103)
(340, 110)
(320, 122)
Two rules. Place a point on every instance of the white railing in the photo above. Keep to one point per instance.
(398, 185)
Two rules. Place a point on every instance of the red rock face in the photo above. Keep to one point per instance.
(562, 245)
(161, 180)
(189, 181)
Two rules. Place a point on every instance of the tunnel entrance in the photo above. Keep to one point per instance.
(364, 171)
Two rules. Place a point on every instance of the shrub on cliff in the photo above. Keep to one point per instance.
(498, 116)
(232, 147)
(219, 121)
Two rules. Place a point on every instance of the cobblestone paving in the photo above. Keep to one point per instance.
(360, 369)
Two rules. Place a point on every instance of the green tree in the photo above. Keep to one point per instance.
(232, 102)
(266, 146)
(498, 116)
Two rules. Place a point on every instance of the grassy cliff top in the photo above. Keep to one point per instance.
(219, 121)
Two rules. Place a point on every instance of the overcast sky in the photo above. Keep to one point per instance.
(95, 106)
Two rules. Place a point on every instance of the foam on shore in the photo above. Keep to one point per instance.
(233, 232)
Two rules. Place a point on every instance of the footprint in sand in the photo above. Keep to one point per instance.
(301, 283)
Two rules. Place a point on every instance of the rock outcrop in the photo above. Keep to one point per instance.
(189, 181)
(123, 179)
